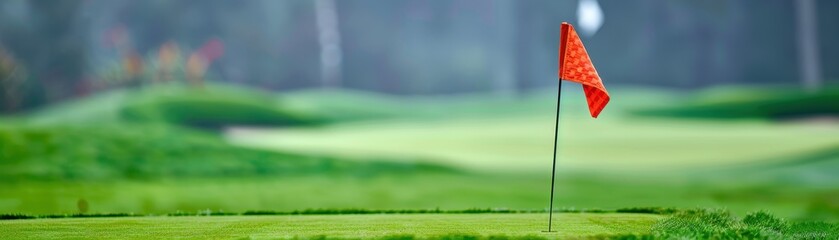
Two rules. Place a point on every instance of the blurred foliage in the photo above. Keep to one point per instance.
(12, 81)
(49, 40)
(70, 49)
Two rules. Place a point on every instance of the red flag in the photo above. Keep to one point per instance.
(575, 66)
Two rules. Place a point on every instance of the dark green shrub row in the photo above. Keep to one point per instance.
(418, 211)
(181, 214)
(209, 213)
(581, 210)
(326, 211)
(652, 210)
(99, 215)
(223, 214)
(440, 237)
(14, 216)
(77, 215)
(368, 211)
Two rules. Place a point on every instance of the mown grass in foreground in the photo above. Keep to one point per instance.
(684, 224)
(720, 224)
(369, 226)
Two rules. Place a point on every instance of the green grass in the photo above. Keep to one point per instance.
(212, 107)
(485, 132)
(720, 224)
(755, 103)
(524, 143)
(393, 191)
(332, 226)
(119, 151)
(349, 106)
(213, 110)
(413, 191)
(386, 152)
(678, 224)
(218, 105)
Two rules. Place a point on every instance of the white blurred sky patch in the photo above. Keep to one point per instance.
(589, 17)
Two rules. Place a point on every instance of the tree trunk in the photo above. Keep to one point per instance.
(504, 66)
(329, 38)
(808, 44)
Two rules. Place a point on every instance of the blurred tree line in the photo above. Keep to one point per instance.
(52, 50)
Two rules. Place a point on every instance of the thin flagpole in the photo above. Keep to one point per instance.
(553, 169)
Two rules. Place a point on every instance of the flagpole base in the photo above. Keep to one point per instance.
(548, 231)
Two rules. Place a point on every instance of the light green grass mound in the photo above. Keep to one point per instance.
(348, 105)
(331, 226)
(524, 143)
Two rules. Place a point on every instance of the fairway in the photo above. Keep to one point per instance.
(337, 226)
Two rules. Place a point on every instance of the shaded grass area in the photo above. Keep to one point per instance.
(399, 226)
(211, 107)
(755, 103)
(117, 151)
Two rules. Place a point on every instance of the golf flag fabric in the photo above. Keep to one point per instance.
(575, 66)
